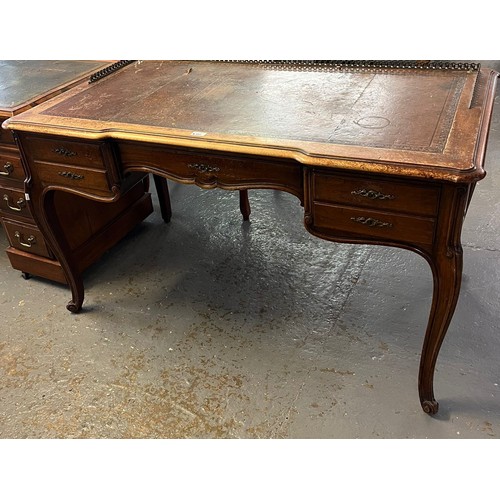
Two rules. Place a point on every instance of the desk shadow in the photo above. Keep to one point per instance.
(268, 269)
(473, 408)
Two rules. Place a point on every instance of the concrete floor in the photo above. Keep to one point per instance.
(213, 328)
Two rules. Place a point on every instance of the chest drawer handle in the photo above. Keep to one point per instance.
(369, 221)
(30, 241)
(21, 203)
(373, 195)
(71, 175)
(203, 168)
(64, 152)
(9, 168)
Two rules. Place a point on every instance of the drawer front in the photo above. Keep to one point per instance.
(65, 152)
(27, 238)
(372, 224)
(10, 167)
(412, 198)
(85, 179)
(211, 169)
(13, 202)
(6, 136)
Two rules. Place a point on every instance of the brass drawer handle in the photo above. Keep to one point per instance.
(30, 241)
(9, 168)
(369, 221)
(203, 168)
(64, 152)
(21, 203)
(373, 195)
(71, 175)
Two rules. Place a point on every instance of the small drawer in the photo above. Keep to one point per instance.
(27, 238)
(11, 167)
(13, 202)
(83, 154)
(211, 169)
(85, 179)
(412, 198)
(377, 225)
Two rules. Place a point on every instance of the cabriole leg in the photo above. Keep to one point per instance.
(447, 272)
(57, 241)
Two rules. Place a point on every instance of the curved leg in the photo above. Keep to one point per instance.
(447, 272)
(54, 235)
(77, 294)
(244, 204)
(446, 262)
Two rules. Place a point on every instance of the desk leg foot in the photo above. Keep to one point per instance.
(430, 407)
(77, 292)
(244, 204)
(74, 308)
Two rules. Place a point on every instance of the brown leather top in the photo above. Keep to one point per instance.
(426, 117)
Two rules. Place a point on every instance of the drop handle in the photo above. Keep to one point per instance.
(371, 222)
(21, 203)
(71, 175)
(30, 241)
(372, 195)
(9, 168)
(203, 168)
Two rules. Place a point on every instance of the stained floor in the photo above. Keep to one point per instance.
(210, 327)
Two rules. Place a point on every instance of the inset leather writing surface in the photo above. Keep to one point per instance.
(411, 122)
(395, 110)
(24, 81)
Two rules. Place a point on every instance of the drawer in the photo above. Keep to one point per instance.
(211, 169)
(373, 224)
(6, 136)
(13, 202)
(73, 153)
(27, 238)
(10, 167)
(414, 198)
(86, 179)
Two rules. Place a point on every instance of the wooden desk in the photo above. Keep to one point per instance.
(375, 154)
(91, 228)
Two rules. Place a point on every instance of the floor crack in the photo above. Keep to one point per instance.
(475, 247)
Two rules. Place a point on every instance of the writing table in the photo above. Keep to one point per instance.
(376, 152)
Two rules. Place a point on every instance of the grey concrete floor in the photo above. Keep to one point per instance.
(210, 327)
